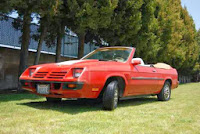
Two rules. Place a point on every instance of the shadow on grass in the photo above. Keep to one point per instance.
(80, 106)
(17, 97)
(66, 106)
(137, 101)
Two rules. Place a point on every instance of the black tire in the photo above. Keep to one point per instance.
(165, 93)
(54, 100)
(111, 96)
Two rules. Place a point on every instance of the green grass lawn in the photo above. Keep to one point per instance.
(27, 113)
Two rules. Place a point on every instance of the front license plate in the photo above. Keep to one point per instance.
(43, 88)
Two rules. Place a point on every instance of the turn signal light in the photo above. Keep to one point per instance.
(26, 83)
(71, 85)
(95, 89)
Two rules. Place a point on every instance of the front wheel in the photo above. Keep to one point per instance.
(165, 93)
(110, 96)
(53, 99)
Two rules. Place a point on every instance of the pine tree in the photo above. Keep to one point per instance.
(147, 41)
(189, 41)
(87, 15)
(125, 24)
(46, 12)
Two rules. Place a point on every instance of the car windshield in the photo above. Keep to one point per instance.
(109, 54)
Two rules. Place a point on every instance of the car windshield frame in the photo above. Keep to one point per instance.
(110, 49)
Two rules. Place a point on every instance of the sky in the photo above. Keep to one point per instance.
(193, 7)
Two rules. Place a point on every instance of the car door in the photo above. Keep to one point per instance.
(143, 80)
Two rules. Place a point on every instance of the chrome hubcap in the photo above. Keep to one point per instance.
(116, 96)
(166, 92)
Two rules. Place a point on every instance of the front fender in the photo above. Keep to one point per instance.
(97, 79)
(116, 75)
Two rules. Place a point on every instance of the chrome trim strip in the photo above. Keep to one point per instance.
(146, 78)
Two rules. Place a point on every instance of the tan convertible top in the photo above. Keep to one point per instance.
(162, 65)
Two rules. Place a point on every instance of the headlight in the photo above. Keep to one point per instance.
(77, 72)
(31, 71)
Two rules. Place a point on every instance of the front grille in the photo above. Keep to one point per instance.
(40, 75)
(57, 75)
(56, 85)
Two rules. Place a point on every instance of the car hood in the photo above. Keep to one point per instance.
(78, 64)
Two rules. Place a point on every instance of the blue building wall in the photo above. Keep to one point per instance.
(10, 37)
(10, 46)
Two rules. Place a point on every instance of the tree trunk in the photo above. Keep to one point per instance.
(42, 36)
(25, 43)
(60, 34)
(81, 41)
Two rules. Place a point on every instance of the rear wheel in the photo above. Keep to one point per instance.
(53, 99)
(111, 96)
(165, 93)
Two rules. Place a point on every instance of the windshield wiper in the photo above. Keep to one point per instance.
(108, 60)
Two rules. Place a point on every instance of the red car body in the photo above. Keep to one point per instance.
(134, 79)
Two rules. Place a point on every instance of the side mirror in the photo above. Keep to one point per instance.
(136, 62)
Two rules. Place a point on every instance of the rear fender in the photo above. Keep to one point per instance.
(168, 78)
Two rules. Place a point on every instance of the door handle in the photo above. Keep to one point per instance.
(154, 70)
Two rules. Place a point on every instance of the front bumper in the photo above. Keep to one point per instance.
(57, 89)
(53, 84)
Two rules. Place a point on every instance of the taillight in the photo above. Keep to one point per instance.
(77, 72)
(31, 71)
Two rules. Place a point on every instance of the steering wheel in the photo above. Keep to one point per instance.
(119, 59)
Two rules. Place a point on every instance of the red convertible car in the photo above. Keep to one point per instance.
(109, 74)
